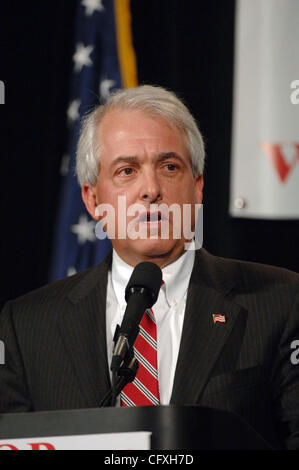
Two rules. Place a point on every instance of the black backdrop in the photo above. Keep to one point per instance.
(185, 45)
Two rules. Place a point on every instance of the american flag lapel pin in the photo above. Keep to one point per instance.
(217, 317)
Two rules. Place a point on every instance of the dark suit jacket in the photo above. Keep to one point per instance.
(55, 344)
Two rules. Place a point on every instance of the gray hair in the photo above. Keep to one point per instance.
(153, 100)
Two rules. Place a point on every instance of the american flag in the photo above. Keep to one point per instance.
(99, 67)
(218, 318)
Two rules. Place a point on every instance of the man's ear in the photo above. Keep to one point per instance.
(199, 184)
(89, 197)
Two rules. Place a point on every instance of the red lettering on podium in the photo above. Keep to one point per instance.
(10, 447)
(38, 445)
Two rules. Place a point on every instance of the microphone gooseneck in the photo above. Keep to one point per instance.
(141, 293)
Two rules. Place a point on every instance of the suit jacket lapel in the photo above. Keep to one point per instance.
(202, 339)
(83, 329)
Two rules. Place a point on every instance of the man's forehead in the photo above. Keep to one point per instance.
(130, 132)
(124, 116)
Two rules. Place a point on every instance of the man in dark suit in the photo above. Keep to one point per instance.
(225, 328)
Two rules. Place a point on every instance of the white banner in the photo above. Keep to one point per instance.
(110, 441)
(265, 140)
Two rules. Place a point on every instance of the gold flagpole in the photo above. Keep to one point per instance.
(126, 52)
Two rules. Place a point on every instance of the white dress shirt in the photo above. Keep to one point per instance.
(169, 311)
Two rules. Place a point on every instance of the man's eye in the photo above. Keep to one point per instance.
(171, 167)
(126, 171)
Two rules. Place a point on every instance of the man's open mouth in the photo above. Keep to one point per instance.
(151, 217)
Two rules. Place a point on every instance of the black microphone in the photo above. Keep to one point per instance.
(141, 293)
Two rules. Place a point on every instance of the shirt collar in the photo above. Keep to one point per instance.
(176, 277)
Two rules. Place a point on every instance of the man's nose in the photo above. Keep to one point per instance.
(150, 190)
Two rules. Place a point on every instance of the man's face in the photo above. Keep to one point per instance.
(144, 159)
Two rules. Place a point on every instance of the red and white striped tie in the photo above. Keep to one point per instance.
(144, 390)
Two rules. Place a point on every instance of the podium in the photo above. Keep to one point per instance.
(172, 427)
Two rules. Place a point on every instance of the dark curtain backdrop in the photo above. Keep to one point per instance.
(186, 46)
